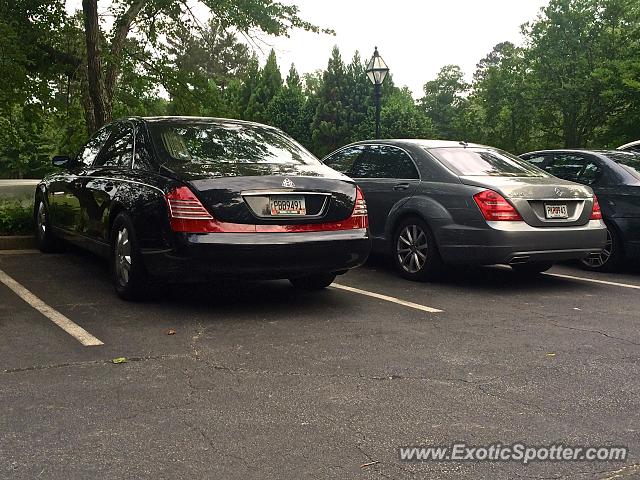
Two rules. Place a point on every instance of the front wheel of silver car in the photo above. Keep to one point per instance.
(415, 252)
(607, 259)
(128, 273)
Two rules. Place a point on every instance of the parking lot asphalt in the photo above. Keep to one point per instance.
(262, 381)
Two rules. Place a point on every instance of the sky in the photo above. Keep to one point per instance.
(415, 38)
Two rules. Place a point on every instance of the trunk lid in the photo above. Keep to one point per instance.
(541, 201)
(246, 193)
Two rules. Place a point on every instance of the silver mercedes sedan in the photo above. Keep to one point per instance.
(435, 203)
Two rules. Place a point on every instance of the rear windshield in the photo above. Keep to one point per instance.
(628, 160)
(215, 143)
(478, 161)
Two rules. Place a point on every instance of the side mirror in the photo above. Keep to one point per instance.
(62, 161)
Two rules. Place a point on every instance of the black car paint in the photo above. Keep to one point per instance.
(83, 201)
(618, 193)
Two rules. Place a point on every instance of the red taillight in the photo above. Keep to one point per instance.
(360, 216)
(186, 213)
(495, 208)
(596, 213)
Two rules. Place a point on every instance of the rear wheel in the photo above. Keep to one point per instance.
(313, 282)
(128, 273)
(415, 252)
(608, 258)
(532, 268)
(47, 243)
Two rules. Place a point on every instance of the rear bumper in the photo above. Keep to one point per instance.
(259, 255)
(518, 242)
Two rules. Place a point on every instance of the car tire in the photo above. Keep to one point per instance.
(532, 268)
(313, 282)
(415, 252)
(47, 242)
(127, 269)
(610, 257)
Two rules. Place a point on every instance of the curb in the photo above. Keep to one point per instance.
(18, 242)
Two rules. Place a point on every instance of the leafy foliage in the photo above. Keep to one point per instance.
(16, 218)
(574, 82)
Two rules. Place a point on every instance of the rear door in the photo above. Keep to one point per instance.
(101, 183)
(387, 175)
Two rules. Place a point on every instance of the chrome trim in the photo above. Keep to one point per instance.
(255, 193)
(97, 177)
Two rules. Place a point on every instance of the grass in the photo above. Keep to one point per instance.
(16, 218)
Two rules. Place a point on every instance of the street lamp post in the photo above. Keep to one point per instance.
(377, 71)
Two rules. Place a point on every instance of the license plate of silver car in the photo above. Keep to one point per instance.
(286, 205)
(556, 211)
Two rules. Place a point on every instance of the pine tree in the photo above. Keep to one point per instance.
(286, 110)
(358, 97)
(330, 127)
(267, 87)
(249, 83)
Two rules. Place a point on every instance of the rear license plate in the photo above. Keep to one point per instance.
(556, 211)
(287, 205)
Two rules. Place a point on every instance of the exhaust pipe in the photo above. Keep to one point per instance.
(519, 260)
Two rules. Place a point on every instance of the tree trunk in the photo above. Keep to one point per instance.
(97, 93)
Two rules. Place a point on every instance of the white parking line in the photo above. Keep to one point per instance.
(76, 331)
(593, 280)
(386, 298)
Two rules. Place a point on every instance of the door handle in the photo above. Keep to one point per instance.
(108, 187)
(401, 186)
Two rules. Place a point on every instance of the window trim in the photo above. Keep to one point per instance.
(376, 144)
(114, 125)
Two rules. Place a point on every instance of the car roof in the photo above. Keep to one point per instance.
(596, 151)
(425, 143)
(192, 119)
(630, 144)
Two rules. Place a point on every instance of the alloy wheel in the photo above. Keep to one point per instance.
(412, 248)
(123, 256)
(601, 258)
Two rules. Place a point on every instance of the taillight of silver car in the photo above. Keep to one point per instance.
(596, 213)
(495, 208)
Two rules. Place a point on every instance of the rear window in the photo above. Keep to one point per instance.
(629, 161)
(215, 143)
(474, 161)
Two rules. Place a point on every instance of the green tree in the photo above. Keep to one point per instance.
(330, 127)
(105, 52)
(402, 118)
(265, 90)
(578, 52)
(286, 110)
(501, 100)
(444, 100)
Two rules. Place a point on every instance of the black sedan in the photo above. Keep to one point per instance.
(182, 198)
(433, 203)
(615, 177)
